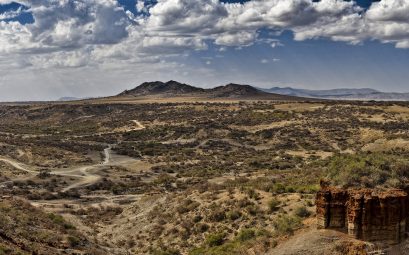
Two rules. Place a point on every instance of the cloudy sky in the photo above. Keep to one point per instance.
(82, 48)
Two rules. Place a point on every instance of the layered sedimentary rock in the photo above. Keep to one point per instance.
(331, 210)
(365, 214)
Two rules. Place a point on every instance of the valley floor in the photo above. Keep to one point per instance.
(192, 177)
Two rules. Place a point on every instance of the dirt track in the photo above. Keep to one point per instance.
(82, 173)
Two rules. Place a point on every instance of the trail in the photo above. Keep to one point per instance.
(18, 165)
(87, 177)
(83, 172)
(138, 125)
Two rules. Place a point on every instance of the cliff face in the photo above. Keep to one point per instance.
(364, 213)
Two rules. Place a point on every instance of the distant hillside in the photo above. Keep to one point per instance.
(162, 88)
(236, 91)
(68, 99)
(348, 94)
(175, 89)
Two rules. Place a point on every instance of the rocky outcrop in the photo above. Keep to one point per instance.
(366, 214)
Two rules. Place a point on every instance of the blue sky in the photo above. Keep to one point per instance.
(97, 48)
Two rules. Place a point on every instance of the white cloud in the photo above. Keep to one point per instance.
(6, 1)
(389, 10)
(95, 33)
(99, 30)
(242, 38)
(140, 6)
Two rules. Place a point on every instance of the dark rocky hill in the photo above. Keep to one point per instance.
(175, 89)
(158, 87)
(236, 90)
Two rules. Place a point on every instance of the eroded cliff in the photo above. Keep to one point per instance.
(366, 214)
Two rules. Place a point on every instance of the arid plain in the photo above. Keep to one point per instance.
(128, 175)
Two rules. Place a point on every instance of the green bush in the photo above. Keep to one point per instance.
(302, 212)
(234, 215)
(273, 205)
(5, 250)
(286, 225)
(57, 219)
(166, 251)
(367, 169)
(217, 216)
(253, 194)
(215, 239)
(74, 241)
(253, 209)
(246, 234)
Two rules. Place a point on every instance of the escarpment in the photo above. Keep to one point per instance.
(366, 214)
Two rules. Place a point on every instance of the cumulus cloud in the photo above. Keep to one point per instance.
(396, 11)
(74, 33)
(64, 28)
(186, 16)
(241, 38)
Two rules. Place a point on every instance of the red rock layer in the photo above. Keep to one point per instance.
(365, 214)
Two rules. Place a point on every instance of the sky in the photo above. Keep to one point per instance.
(89, 48)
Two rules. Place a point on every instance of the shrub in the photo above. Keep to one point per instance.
(286, 225)
(273, 205)
(202, 227)
(234, 215)
(217, 216)
(187, 206)
(246, 234)
(253, 194)
(310, 203)
(302, 212)
(73, 241)
(366, 169)
(5, 250)
(166, 251)
(197, 218)
(253, 209)
(215, 239)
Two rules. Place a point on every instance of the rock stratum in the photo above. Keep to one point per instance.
(365, 214)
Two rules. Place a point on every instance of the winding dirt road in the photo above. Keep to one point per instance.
(85, 174)
(82, 173)
(18, 165)
(87, 177)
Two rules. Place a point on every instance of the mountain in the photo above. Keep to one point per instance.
(162, 88)
(341, 94)
(177, 89)
(236, 91)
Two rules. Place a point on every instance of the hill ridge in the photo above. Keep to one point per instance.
(173, 88)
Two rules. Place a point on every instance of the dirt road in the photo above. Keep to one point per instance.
(83, 173)
(18, 165)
